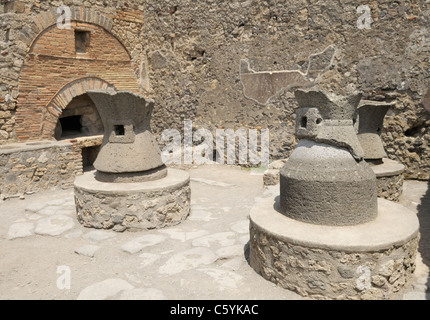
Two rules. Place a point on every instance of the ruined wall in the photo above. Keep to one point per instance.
(37, 166)
(195, 51)
(210, 61)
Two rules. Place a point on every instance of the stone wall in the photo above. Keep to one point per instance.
(390, 188)
(37, 166)
(195, 59)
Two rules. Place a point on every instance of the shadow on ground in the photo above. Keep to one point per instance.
(424, 218)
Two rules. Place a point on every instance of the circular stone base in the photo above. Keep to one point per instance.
(373, 260)
(149, 175)
(139, 205)
(389, 179)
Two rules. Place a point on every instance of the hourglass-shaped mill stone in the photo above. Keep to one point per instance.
(327, 236)
(129, 151)
(370, 123)
(325, 180)
(389, 173)
(131, 188)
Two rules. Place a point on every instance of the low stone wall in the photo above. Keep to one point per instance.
(141, 205)
(37, 166)
(390, 188)
(271, 176)
(330, 274)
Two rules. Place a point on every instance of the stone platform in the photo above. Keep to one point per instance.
(389, 179)
(373, 260)
(135, 205)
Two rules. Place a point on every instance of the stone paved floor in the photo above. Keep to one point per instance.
(202, 258)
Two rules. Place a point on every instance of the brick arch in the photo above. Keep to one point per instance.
(63, 97)
(47, 19)
(52, 63)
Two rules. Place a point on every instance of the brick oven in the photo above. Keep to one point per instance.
(61, 65)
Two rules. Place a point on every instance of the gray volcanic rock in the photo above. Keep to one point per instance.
(128, 144)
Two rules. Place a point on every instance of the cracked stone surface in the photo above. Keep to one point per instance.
(205, 257)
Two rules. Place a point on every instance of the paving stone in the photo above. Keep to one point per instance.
(142, 294)
(200, 215)
(99, 235)
(87, 250)
(188, 259)
(56, 202)
(241, 226)
(50, 210)
(67, 211)
(225, 279)
(74, 234)
(222, 238)
(20, 230)
(105, 289)
(54, 225)
(139, 243)
(212, 182)
(415, 295)
(230, 251)
(183, 236)
(34, 216)
(233, 264)
(35, 207)
(244, 239)
(148, 259)
(419, 287)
